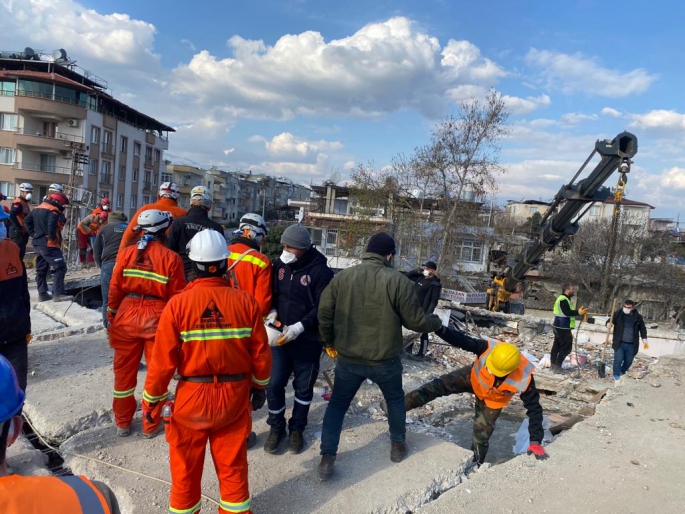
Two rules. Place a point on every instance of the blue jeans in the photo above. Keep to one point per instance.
(306, 372)
(623, 358)
(348, 378)
(105, 278)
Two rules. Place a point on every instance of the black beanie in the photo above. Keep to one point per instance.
(382, 244)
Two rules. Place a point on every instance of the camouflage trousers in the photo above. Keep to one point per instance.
(455, 382)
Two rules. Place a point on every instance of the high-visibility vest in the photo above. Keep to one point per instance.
(561, 320)
(25, 209)
(483, 381)
(56, 495)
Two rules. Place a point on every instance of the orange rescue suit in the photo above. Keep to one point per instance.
(483, 381)
(140, 287)
(252, 274)
(56, 495)
(210, 330)
(163, 204)
(91, 224)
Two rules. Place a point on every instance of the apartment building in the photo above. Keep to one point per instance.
(57, 119)
(526, 208)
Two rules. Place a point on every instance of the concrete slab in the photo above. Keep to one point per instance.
(68, 313)
(41, 323)
(24, 459)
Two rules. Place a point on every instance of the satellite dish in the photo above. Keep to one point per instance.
(60, 55)
(29, 53)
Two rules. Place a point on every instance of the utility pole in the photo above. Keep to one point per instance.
(78, 159)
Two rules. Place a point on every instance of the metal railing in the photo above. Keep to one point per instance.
(53, 97)
(46, 168)
(105, 178)
(47, 134)
(147, 184)
(108, 148)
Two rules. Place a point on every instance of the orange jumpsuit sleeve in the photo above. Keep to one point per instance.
(165, 356)
(116, 292)
(260, 352)
(263, 289)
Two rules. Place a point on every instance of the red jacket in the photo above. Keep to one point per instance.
(251, 274)
(163, 204)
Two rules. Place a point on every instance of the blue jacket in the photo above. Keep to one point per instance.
(297, 288)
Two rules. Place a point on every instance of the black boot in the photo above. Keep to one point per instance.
(326, 467)
(273, 441)
(251, 440)
(295, 442)
(44, 297)
(398, 451)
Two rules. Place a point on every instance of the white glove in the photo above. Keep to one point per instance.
(444, 315)
(291, 332)
(271, 317)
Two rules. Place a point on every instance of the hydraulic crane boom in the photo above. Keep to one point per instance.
(556, 226)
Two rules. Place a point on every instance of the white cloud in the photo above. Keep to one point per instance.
(189, 43)
(525, 105)
(381, 68)
(659, 118)
(286, 145)
(575, 118)
(229, 151)
(608, 111)
(673, 179)
(576, 73)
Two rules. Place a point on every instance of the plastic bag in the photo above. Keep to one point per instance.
(545, 362)
(523, 437)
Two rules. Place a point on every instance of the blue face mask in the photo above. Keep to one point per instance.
(3, 230)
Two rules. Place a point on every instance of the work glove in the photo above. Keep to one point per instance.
(147, 411)
(582, 311)
(28, 338)
(645, 344)
(291, 332)
(271, 317)
(257, 398)
(537, 450)
(332, 352)
(444, 315)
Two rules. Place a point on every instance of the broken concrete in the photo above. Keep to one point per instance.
(24, 459)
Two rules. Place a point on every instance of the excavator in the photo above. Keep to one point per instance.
(562, 218)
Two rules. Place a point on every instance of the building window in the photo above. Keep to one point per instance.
(134, 177)
(93, 169)
(94, 135)
(7, 87)
(105, 176)
(6, 155)
(594, 210)
(316, 236)
(468, 250)
(166, 177)
(48, 162)
(120, 200)
(107, 146)
(8, 122)
(331, 236)
(134, 201)
(7, 188)
(532, 210)
(154, 179)
(136, 148)
(148, 154)
(158, 154)
(122, 172)
(123, 144)
(146, 199)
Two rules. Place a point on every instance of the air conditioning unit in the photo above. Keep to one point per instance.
(65, 153)
(74, 123)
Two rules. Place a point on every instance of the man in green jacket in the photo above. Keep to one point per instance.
(361, 314)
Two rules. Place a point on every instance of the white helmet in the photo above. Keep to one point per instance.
(208, 246)
(199, 190)
(169, 190)
(256, 225)
(153, 221)
(53, 188)
(25, 186)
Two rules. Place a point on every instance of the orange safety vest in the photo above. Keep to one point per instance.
(90, 225)
(163, 204)
(483, 381)
(251, 274)
(25, 209)
(56, 495)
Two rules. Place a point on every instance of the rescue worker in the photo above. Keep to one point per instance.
(184, 228)
(86, 231)
(24, 494)
(213, 336)
(44, 224)
(15, 306)
(167, 200)
(105, 252)
(103, 206)
(564, 322)
(498, 373)
(428, 287)
(301, 274)
(248, 268)
(145, 277)
(53, 188)
(19, 210)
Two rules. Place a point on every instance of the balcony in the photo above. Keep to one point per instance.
(148, 161)
(147, 185)
(45, 168)
(42, 103)
(42, 139)
(105, 179)
(107, 149)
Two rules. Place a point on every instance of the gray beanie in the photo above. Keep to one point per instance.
(117, 216)
(296, 236)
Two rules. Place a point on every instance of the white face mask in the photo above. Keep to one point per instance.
(288, 257)
(105, 207)
(28, 196)
(3, 230)
(426, 273)
(627, 311)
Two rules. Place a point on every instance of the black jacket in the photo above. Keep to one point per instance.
(42, 223)
(184, 228)
(428, 289)
(15, 306)
(530, 397)
(107, 242)
(639, 329)
(297, 289)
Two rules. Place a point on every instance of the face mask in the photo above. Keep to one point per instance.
(287, 257)
(426, 273)
(105, 207)
(28, 196)
(627, 311)
(3, 230)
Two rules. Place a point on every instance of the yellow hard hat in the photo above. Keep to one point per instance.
(504, 359)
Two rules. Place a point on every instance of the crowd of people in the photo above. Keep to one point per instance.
(195, 306)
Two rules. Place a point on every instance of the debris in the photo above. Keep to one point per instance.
(630, 404)
(636, 463)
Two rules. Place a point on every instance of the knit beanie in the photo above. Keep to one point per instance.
(296, 236)
(431, 265)
(115, 216)
(382, 244)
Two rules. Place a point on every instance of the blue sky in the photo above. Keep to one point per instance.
(305, 88)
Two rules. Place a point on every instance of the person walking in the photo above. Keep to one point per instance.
(45, 224)
(18, 212)
(145, 277)
(301, 274)
(428, 287)
(361, 315)
(498, 373)
(86, 232)
(213, 336)
(15, 306)
(184, 228)
(629, 328)
(105, 251)
(564, 322)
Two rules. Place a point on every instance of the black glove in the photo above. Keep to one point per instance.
(257, 398)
